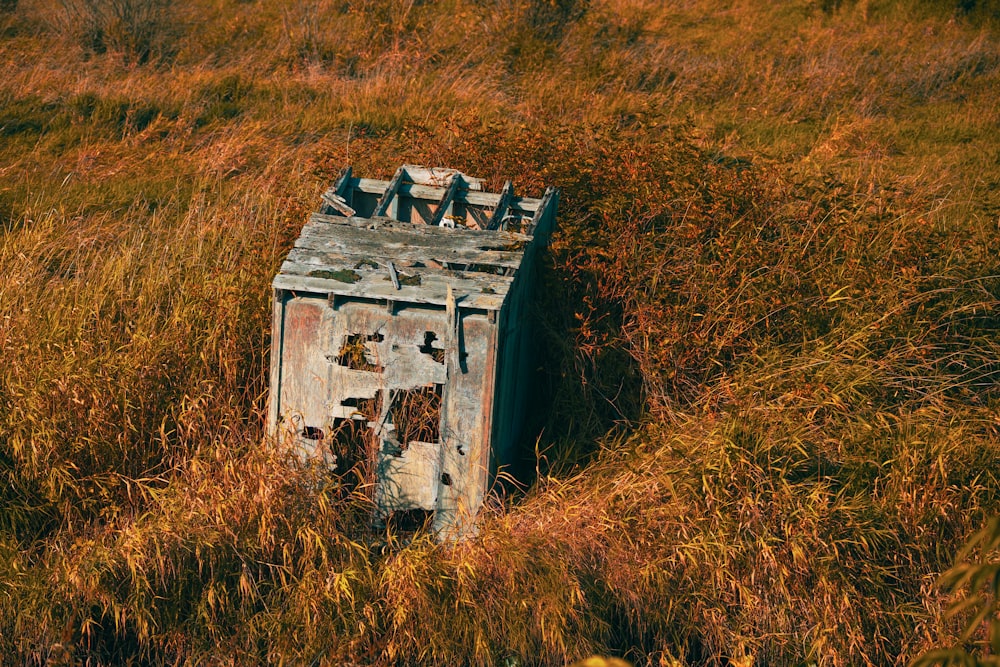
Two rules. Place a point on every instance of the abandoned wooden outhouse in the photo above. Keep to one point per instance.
(401, 336)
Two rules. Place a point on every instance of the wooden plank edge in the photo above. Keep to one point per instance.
(470, 281)
(544, 219)
(419, 295)
(495, 258)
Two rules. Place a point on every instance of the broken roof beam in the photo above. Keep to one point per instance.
(390, 192)
(501, 208)
(334, 197)
(393, 276)
(445, 204)
(434, 193)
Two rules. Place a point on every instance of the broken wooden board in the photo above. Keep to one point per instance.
(472, 290)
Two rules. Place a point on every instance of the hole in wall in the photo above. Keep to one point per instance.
(351, 440)
(361, 404)
(356, 355)
(416, 414)
(312, 433)
(446, 479)
(437, 354)
(365, 409)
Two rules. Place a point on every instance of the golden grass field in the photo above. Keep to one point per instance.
(771, 312)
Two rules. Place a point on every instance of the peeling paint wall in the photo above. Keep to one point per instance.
(398, 347)
(395, 375)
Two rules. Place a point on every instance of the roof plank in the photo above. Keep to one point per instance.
(390, 238)
(471, 291)
(320, 254)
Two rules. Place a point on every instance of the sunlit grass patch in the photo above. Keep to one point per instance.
(769, 314)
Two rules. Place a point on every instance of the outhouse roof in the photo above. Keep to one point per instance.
(343, 252)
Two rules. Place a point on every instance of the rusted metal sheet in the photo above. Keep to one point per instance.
(394, 339)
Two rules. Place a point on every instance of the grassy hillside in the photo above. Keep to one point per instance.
(771, 312)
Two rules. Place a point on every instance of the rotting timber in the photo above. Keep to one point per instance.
(401, 337)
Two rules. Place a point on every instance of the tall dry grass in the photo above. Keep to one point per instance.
(769, 314)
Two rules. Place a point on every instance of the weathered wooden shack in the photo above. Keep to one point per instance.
(401, 336)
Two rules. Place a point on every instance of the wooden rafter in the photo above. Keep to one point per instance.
(505, 197)
(390, 192)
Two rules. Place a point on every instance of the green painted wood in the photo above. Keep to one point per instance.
(506, 195)
(390, 191)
